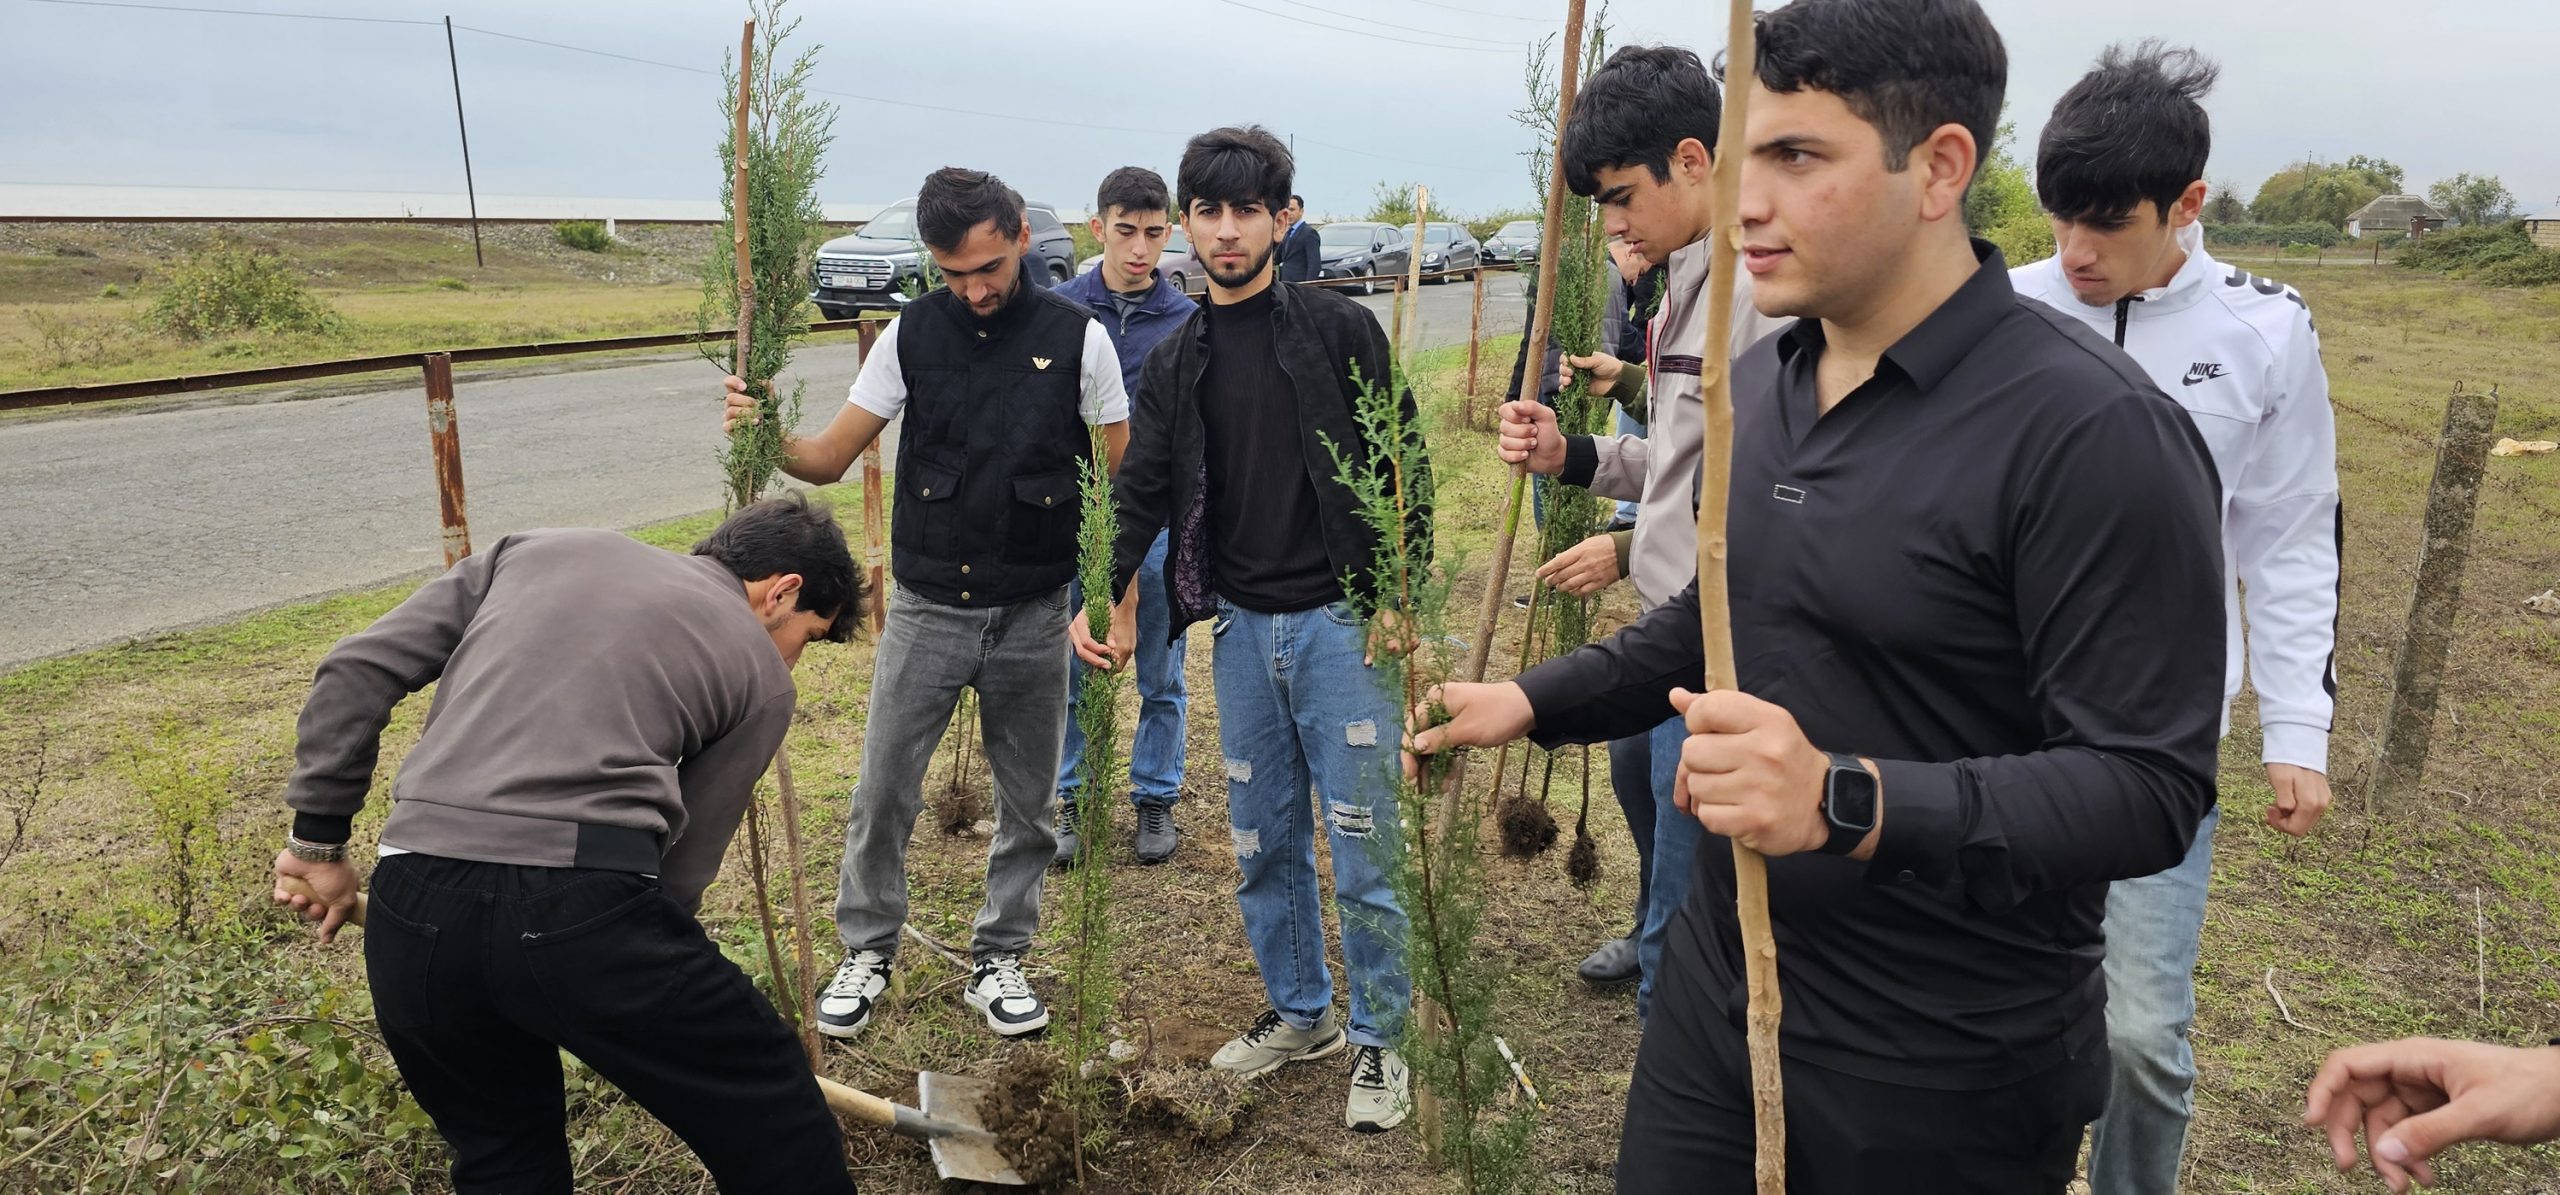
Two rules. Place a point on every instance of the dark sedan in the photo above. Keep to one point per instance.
(1447, 249)
(1359, 249)
(1513, 242)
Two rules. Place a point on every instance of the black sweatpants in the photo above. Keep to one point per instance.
(1689, 1129)
(483, 972)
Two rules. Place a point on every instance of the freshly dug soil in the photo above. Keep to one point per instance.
(1033, 1130)
(1194, 1104)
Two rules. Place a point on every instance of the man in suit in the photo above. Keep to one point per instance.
(1300, 259)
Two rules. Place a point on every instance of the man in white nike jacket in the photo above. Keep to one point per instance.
(2120, 171)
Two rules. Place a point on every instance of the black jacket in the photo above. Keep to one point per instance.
(1301, 259)
(1322, 339)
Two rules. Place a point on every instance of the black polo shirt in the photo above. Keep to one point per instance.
(1994, 568)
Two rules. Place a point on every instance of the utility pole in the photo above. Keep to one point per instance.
(468, 190)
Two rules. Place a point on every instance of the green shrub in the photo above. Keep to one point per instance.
(112, 291)
(186, 784)
(2537, 267)
(2311, 233)
(583, 234)
(2460, 251)
(451, 284)
(231, 288)
(2023, 238)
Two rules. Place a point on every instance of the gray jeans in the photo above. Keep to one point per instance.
(1016, 658)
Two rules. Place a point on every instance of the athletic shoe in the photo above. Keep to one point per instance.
(1381, 1090)
(998, 990)
(1067, 843)
(846, 1004)
(1156, 836)
(1271, 1042)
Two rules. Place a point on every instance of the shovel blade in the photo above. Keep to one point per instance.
(971, 1153)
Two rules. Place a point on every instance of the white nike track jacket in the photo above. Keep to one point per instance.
(2241, 355)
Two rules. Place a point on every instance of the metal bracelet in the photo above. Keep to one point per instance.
(315, 852)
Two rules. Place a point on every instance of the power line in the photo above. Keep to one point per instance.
(1360, 32)
(1499, 16)
(237, 12)
(1331, 12)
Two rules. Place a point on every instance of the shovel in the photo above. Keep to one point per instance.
(948, 1122)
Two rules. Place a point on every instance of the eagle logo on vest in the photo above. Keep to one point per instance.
(1039, 363)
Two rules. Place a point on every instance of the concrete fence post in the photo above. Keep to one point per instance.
(2417, 676)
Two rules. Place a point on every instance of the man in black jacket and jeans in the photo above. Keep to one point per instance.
(1230, 449)
(603, 710)
(1975, 576)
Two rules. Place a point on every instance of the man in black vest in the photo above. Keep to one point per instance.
(999, 381)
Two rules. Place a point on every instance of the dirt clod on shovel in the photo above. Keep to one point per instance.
(1033, 1129)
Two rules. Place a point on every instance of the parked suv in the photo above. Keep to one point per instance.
(1358, 249)
(1516, 241)
(874, 268)
(1447, 248)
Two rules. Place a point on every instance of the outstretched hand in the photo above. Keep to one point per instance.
(2415, 1097)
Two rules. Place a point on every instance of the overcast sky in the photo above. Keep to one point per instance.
(104, 95)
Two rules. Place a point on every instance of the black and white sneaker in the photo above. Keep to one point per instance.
(1000, 992)
(845, 1006)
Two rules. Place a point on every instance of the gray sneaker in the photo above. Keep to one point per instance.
(1068, 844)
(1381, 1090)
(1271, 1042)
(1156, 836)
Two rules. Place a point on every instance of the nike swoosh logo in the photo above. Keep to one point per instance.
(2201, 373)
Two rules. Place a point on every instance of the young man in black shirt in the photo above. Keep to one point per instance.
(1976, 593)
(1229, 449)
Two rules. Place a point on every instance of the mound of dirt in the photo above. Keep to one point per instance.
(1033, 1129)
(1528, 830)
(1198, 1105)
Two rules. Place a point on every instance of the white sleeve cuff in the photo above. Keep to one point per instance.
(1106, 400)
(2298, 744)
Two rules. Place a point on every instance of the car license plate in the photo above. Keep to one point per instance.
(834, 281)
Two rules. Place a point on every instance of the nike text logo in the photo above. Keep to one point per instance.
(2202, 371)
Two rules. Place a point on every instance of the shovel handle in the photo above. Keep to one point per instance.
(861, 1105)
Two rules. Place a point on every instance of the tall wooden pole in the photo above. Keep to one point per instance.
(1715, 615)
(470, 191)
(1569, 84)
(738, 206)
(874, 532)
(1411, 294)
(1475, 339)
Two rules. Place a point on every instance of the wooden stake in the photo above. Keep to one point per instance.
(874, 520)
(1543, 319)
(1475, 339)
(801, 995)
(1412, 294)
(1715, 615)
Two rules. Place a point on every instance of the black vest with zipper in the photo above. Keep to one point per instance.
(993, 446)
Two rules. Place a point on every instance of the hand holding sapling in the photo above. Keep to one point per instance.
(1604, 370)
(1122, 639)
(1458, 714)
(1585, 568)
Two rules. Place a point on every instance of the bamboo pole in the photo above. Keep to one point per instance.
(1540, 322)
(1715, 615)
(797, 995)
(1475, 341)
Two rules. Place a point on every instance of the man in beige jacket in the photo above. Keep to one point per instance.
(1640, 142)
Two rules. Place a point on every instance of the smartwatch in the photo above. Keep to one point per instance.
(1848, 803)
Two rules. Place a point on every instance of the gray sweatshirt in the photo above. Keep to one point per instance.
(1658, 470)
(599, 702)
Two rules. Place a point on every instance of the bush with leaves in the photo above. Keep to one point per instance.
(2258, 235)
(186, 783)
(788, 131)
(224, 288)
(587, 235)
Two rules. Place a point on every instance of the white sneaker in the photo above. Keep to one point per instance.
(999, 991)
(1381, 1090)
(1271, 1042)
(844, 1007)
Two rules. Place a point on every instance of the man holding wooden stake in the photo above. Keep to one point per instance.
(1639, 143)
(603, 710)
(1975, 584)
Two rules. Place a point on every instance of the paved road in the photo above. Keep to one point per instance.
(124, 525)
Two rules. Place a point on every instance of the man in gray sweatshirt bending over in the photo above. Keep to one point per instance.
(602, 712)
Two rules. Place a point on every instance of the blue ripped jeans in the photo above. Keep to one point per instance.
(1297, 710)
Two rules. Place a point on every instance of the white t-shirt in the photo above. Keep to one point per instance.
(881, 387)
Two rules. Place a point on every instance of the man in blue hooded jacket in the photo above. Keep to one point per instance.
(1132, 217)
